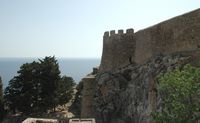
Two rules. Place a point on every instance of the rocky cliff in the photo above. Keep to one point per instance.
(129, 94)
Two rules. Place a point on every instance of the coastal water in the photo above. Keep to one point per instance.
(76, 68)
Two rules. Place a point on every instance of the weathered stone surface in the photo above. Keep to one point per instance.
(117, 50)
(87, 94)
(181, 33)
(129, 94)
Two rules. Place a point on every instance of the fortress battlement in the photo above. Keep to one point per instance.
(120, 32)
(178, 34)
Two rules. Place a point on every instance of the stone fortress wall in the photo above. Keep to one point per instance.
(117, 49)
(181, 33)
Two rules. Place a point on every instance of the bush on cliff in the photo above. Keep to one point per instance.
(37, 88)
(180, 92)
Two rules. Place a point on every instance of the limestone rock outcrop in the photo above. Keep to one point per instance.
(129, 94)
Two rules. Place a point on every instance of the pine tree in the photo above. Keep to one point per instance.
(21, 93)
(64, 90)
(38, 87)
(49, 78)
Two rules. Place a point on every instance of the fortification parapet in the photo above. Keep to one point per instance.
(177, 34)
(117, 49)
(121, 31)
(112, 32)
(129, 31)
(106, 34)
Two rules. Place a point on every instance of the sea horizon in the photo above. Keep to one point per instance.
(76, 68)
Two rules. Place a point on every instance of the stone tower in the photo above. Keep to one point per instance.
(117, 49)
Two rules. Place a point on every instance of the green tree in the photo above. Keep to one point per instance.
(49, 78)
(21, 92)
(64, 90)
(35, 88)
(180, 92)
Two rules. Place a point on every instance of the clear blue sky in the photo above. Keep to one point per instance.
(74, 28)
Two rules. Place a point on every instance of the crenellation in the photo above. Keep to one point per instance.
(117, 49)
(112, 32)
(106, 34)
(129, 31)
(121, 31)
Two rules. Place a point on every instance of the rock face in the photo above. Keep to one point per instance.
(129, 94)
(181, 33)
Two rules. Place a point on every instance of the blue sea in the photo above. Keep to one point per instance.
(76, 68)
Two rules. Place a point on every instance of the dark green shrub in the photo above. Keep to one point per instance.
(180, 93)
